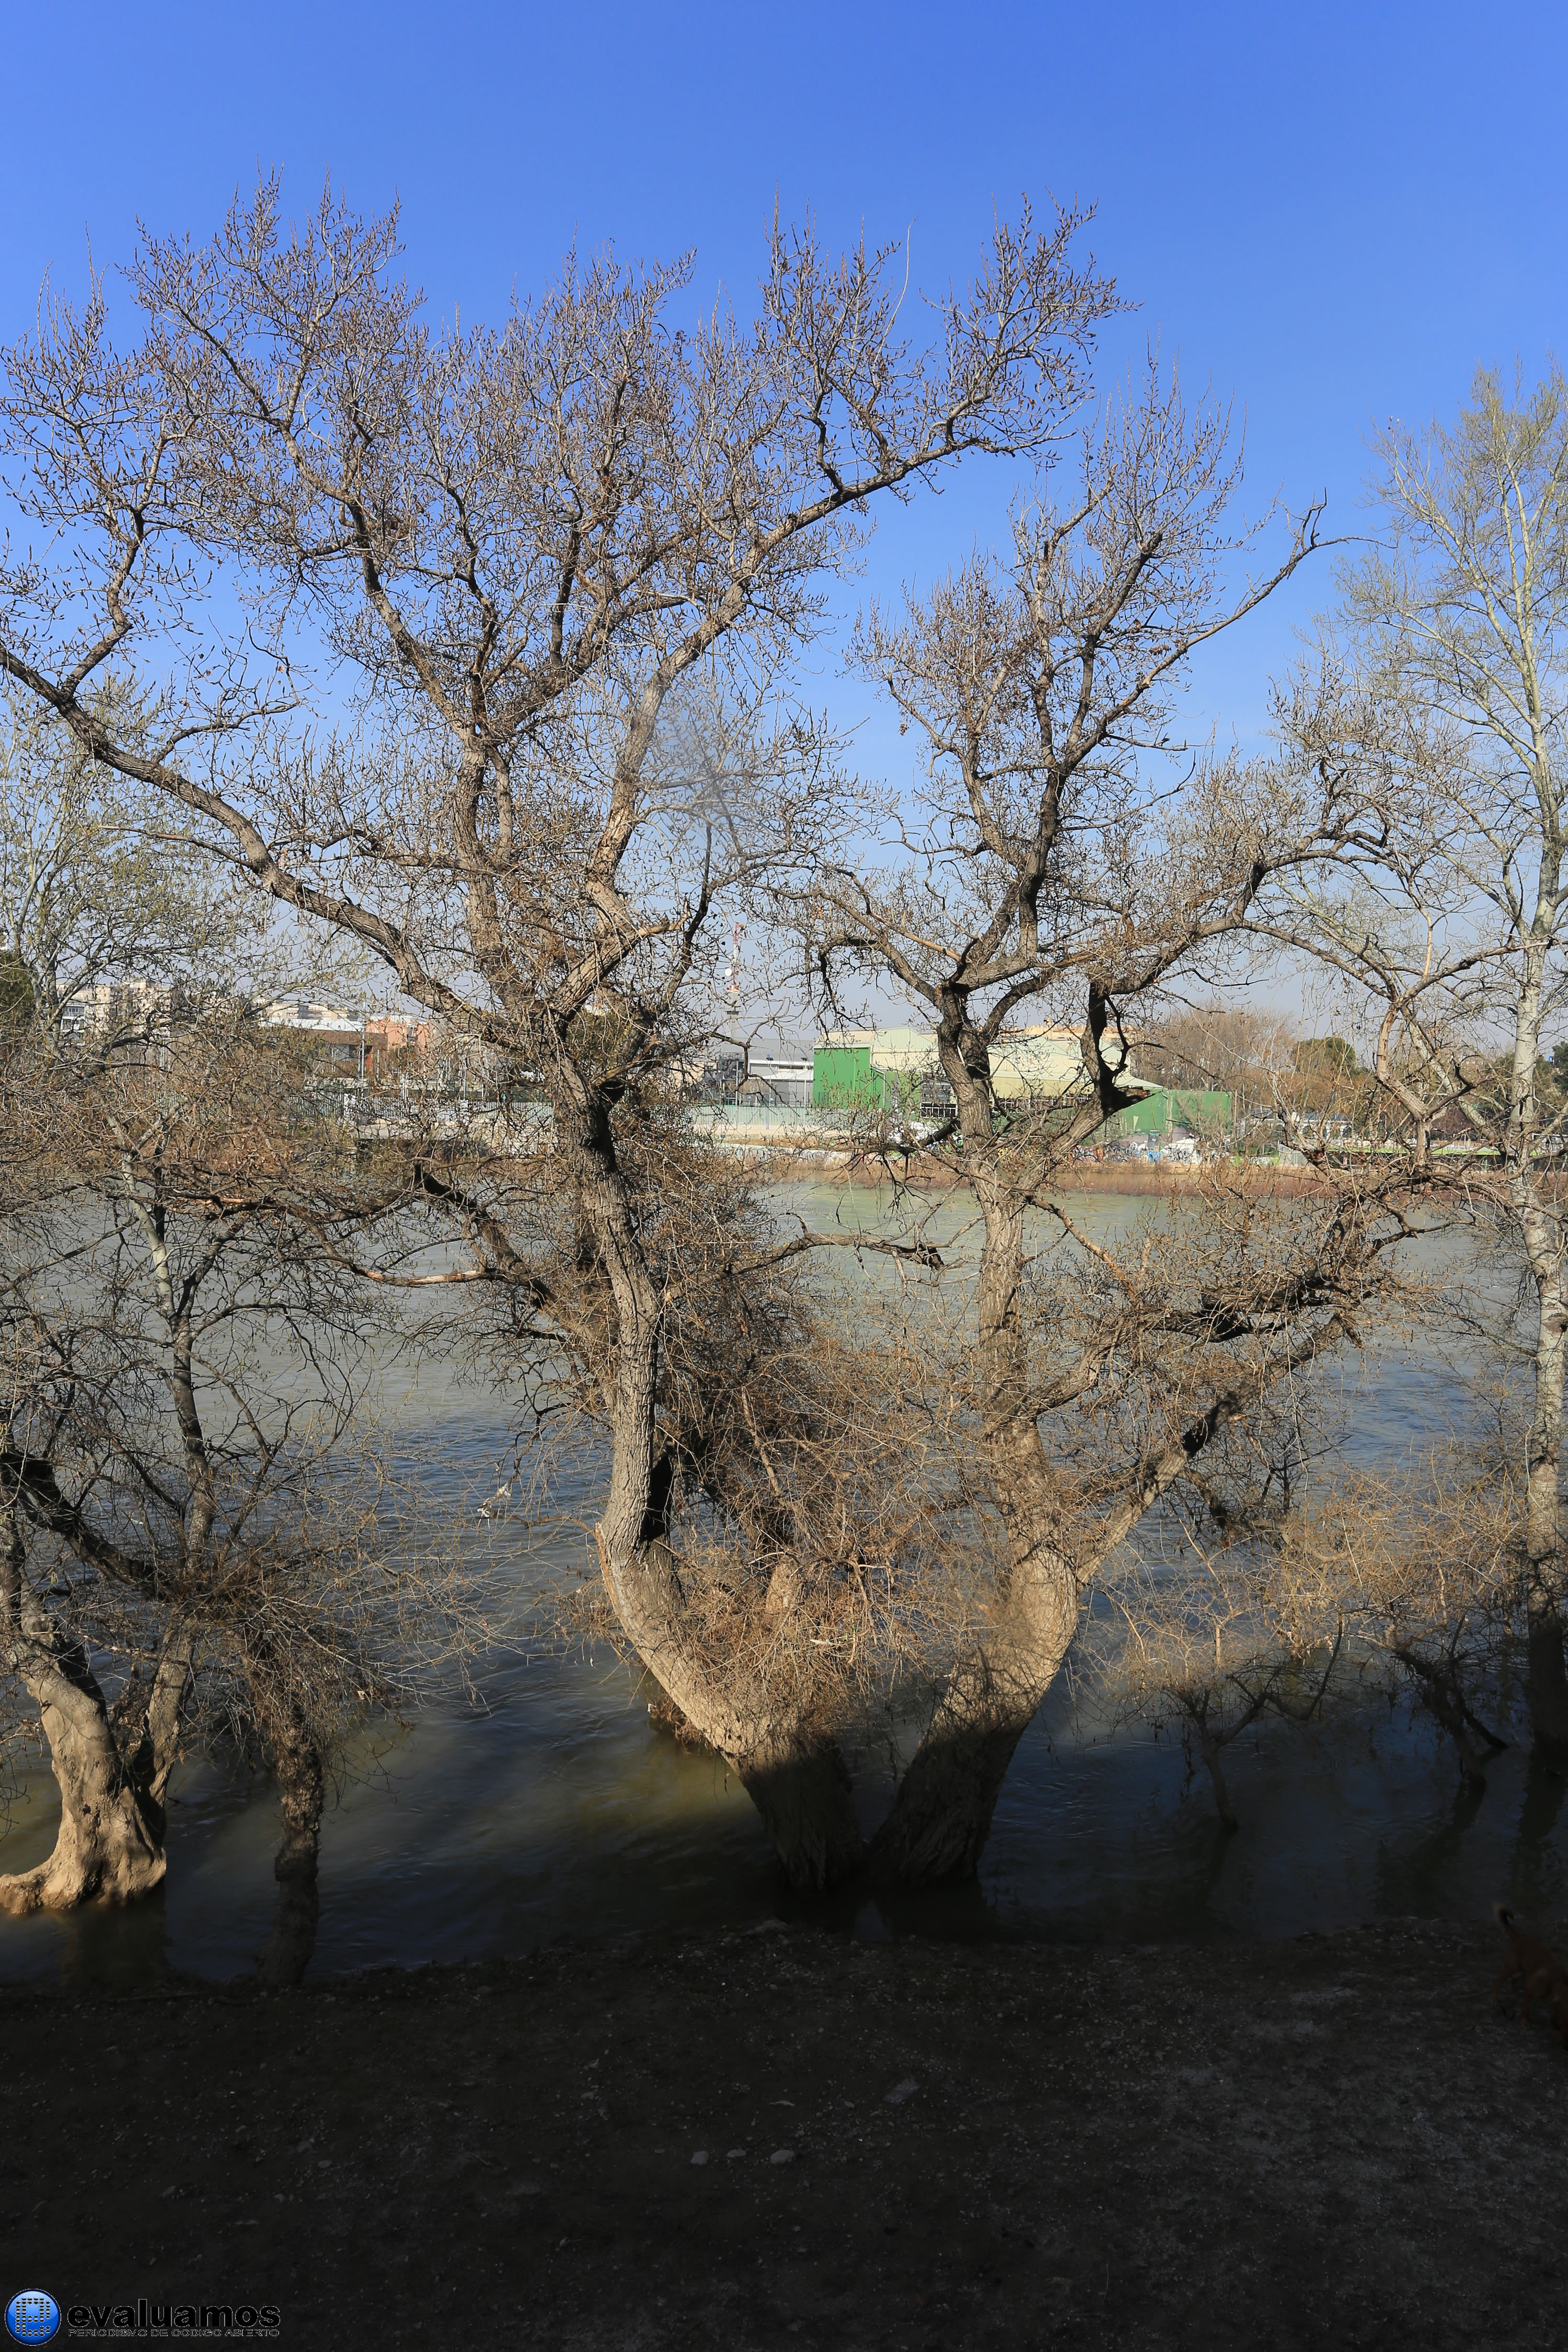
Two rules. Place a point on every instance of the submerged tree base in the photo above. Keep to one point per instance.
(110, 1848)
(113, 1860)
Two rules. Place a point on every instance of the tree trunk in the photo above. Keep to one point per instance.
(940, 1817)
(796, 1779)
(800, 1784)
(111, 1841)
(1546, 1682)
(801, 1788)
(1541, 1228)
(1209, 1748)
(1444, 1701)
(292, 1942)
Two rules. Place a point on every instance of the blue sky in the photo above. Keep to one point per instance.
(1332, 213)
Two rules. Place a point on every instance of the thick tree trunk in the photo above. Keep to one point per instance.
(801, 1788)
(111, 1841)
(794, 1774)
(1546, 1681)
(940, 1817)
(795, 1777)
(641, 1573)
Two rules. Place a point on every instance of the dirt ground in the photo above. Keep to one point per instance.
(785, 2138)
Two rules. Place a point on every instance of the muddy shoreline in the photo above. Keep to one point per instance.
(1178, 1179)
(787, 2138)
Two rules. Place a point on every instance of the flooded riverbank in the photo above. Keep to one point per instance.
(549, 1808)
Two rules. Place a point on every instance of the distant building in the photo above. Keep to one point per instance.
(714, 1076)
(109, 1008)
(345, 1035)
(725, 1073)
(874, 1069)
(309, 1012)
(132, 1008)
(390, 1043)
(897, 1069)
(1173, 1111)
(783, 1080)
(337, 1035)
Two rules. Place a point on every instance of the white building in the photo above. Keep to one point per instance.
(309, 1012)
(107, 1007)
(782, 1079)
(1027, 1063)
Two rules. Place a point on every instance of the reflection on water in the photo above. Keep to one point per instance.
(554, 1810)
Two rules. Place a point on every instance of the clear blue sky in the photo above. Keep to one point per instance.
(1333, 212)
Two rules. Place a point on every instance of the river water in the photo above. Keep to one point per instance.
(550, 1808)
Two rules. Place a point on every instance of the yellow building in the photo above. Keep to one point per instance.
(892, 1069)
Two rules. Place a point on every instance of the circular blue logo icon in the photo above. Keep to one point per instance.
(32, 2317)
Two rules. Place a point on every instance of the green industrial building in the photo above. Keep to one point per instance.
(891, 1069)
(843, 1077)
(888, 1070)
(1164, 1109)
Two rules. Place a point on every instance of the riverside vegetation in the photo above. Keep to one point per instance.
(488, 682)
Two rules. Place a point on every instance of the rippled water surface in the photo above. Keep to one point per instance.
(552, 1809)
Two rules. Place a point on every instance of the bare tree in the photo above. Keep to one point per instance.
(1213, 1044)
(1423, 1565)
(1370, 1584)
(516, 545)
(96, 879)
(1073, 863)
(191, 1550)
(1444, 687)
(1217, 1642)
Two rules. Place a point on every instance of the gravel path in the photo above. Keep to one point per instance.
(783, 2138)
